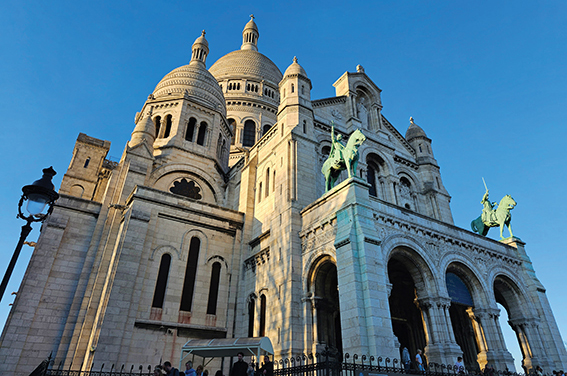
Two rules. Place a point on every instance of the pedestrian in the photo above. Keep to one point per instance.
(199, 370)
(539, 371)
(189, 371)
(171, 371)
(267, 368)
(419, 361)
(459, 365)
(239, 368)
(406, 359)
(219, 373)
(159, 371)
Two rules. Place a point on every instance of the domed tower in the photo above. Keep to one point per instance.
(249, 82)
(430, 175)
(183, 122)
(295, 108)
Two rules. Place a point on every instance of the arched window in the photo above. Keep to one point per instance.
(251, 309)
(260, 192)
(190, 274)
(214, 289)
(87, 161)
(302, 89)
(262, 315)
(161, 283)
(304, 126)
(202, 133)
(266, 129)
(292, 88)
(267, 182)
(190, 129)
(167, 126)
(274, 183)
(249, 136)
(157, 121)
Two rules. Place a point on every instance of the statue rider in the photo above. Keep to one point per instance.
(488, 209)
(336, 145)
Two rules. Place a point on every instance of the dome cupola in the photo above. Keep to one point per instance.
(200, 50)
(414, 131)
(250, 35)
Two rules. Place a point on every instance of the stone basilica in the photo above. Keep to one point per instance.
(215, 223)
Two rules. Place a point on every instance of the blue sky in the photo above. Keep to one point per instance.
(485, 80)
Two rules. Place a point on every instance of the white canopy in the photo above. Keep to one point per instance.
(227, 347)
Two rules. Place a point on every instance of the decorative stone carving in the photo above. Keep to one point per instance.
(187, 189)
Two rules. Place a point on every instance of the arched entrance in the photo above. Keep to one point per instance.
(509, 296)
(460, 313)
(327, 319)
(407, 320)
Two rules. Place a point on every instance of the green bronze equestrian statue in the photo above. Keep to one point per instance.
(341, 157)
(492, 217)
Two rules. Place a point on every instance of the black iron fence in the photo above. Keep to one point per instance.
(326, 363)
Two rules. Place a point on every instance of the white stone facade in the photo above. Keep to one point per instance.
(215, 223)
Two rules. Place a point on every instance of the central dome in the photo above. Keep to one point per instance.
(246, 64)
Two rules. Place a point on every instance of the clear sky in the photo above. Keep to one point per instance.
(486, 81)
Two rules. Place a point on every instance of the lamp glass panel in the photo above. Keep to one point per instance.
(36, 203)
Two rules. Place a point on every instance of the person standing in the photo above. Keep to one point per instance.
(240, 367)
(171, 371)
(189, 371)
(406, 359)
(267, 368)
(419, 361)
(459, 365)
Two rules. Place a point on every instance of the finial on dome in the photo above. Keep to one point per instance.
(200, 50)
(295, 59)
(250, 35)
(414, 130)
(359, 68)
(411, 120)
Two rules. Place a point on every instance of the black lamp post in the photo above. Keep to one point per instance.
(39, 195)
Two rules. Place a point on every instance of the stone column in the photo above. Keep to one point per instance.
(531, 343)
(497, 354)
(441, 346)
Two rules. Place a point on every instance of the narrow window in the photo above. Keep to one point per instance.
(190, 274)
(202, 133)
(267, 182)
(167, 126)
(371, 179)
(251, 308)
(262, 315)
(214, 289)
(274, 183)
(266, 129)
(232, 125)
(260, 192)
(157, 120)
(161, 283)
(302, 89)
(87, 162)
(304, 126)
(420, 148)
(292, 88)
(249, 138)
(190, 129)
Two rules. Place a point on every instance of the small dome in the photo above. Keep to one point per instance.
(202, 40)
(196, 81)
(246, 64)
(414, 131)
(295, 68)
(251, 24)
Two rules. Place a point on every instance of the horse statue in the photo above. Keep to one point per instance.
(341, 157)
(492, 217)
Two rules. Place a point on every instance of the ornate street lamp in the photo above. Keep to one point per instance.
(39, 195)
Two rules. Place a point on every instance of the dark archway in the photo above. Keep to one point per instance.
(460, 310)
(407, 321)
(325, 284)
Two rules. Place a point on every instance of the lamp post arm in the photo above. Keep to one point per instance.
(26, 229)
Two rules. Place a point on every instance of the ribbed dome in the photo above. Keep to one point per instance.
(197, 81)
(414, 131)
(295, 68)
(246, 64)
